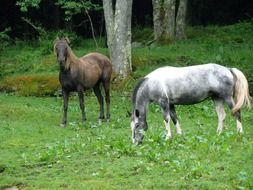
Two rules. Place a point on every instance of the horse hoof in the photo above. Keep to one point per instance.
(167, 137)
(219, 132)
(240, 130)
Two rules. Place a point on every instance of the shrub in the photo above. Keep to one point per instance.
(4, 38)
(31, 85)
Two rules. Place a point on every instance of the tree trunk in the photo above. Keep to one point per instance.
(109, 23)
(157, 19)
(164, 20)
(169, 19)
(180, 20)
(168, 25)
(118, 28)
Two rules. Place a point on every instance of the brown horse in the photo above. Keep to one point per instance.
(79, 74)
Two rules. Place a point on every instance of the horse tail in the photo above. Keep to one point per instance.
(241, 90)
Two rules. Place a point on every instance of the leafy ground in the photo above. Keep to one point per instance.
(35, 153)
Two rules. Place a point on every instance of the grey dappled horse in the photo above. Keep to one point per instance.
(170, 86)
(79, 74)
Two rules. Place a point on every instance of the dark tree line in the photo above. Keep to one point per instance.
(51, 16)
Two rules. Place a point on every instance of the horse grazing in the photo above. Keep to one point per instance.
(79, 74)
(170, 86)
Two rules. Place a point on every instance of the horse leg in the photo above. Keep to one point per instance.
(65, 95)
(106, 84)
(219, 107)
(97, 92)
(174, 118)
(166, 117)
(237, 114)
(81, 103)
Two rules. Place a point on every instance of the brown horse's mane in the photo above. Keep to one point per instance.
(71, 57)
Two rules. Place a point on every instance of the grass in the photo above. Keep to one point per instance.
(38, 154)
(230, 46)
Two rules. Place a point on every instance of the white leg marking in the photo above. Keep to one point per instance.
(239, 126)
(132, 127)
(178, 128)
(219, 106)
(167, 126)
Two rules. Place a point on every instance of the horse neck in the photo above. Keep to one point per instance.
(141, 102)
(72, 58)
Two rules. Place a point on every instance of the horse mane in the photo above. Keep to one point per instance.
(136, 88)
(71, 57)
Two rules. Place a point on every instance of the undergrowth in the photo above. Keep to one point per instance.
(230, 46)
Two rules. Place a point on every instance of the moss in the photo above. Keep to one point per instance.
(123, 84)
(138, 61)
(31, 85)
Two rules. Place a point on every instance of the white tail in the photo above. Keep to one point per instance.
(241, 90)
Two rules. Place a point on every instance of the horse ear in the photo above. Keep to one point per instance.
(67, 40)
(137, 113)
(55, 41)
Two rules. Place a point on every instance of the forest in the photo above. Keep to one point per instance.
(46, 144)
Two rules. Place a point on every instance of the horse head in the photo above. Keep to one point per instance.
(139, 126)
(61, 49)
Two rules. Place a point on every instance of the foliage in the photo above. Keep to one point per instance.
(25, 4)
(74, 7)
(71, 7)
(230, 46)
(5, 38)
(143, 35)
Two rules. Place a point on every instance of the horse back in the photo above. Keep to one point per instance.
(103, 62)
(88, 70)
(187, 85)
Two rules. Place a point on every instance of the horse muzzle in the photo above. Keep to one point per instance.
(137, 141)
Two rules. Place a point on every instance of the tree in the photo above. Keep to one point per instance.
(169, 19)
(180, 19)
(118, 17)
(164, 19)
(71, 8)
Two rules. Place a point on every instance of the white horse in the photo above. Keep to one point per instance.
(170, 86)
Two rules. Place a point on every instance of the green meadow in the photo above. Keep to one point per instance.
(36, 153)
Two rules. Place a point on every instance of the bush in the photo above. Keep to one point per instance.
(143, 35)
(4, 38)
(31, 85)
